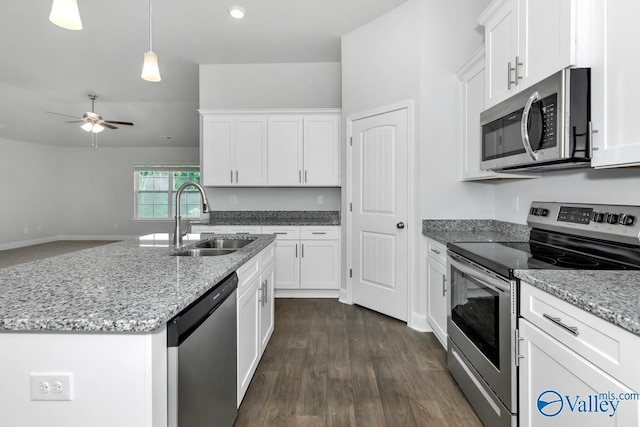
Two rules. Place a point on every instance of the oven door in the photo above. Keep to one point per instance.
(482, 324)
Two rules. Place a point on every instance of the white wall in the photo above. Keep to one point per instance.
(606, 186)
(278, 85)
(97, 197)
(28, 200)
(288, 85)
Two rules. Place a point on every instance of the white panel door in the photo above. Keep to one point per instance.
(319, 264)
(321, 150)
(557, 387)
(380, 209)
(287, 264)
(251, 151)
(285, 161)
(218, 135)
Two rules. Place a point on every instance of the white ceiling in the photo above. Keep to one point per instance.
(46, 68)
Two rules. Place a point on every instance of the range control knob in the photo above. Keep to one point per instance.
(612, 218)
(532, 211)
(597, 217)
(626, 219)
(544, 212)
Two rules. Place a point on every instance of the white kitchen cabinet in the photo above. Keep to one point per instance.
(234, 150)
(615, 84)
(306, 258)
(255, 315)
(304, 150)
(472, 100)
(564, 368)
(529, 40)
(437, 290)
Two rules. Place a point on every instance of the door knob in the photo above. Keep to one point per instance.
(400, 225)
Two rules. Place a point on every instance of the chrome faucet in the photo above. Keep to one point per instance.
(177, 232)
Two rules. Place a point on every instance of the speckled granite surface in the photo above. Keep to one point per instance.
(610, 295)
(474, 230)
(274, 218)
(129, 286)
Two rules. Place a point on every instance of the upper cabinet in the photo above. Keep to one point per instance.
(271, 148)
(529, 40)
(615, 84)
(304, 150)
(234, 150)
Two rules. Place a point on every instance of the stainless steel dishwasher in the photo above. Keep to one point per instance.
(201, 357)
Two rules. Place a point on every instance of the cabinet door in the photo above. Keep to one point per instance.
(285, 156)
(501, 44)
(546, 39)
(250, 157)
(248, 342)
(218, 135)
(322, 150)
(266, 305)
(437, 303)
(559, 388)
(320, 264)
(615, 85)
(287, 264)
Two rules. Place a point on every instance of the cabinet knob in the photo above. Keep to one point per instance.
(400, 225)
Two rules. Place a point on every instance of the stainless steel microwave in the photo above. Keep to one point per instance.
(546, 126)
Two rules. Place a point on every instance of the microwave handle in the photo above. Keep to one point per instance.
(524, 125)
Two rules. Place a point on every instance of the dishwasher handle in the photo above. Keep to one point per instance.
(184, 323)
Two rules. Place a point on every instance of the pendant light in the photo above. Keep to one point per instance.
(65, 14)
(150, 69)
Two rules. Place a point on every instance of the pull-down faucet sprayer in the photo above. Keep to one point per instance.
(177, 232)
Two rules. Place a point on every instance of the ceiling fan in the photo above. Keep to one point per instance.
(93, 122)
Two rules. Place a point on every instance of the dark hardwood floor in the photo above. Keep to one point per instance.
(331, 364)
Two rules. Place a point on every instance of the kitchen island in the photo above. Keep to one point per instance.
(100, 314)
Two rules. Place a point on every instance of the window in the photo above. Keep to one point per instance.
(155, 189)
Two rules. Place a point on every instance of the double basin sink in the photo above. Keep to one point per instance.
(215, 247)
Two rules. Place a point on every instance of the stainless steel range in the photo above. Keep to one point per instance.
(483, 321)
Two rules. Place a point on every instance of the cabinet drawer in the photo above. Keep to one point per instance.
(217, 229)
(267, 255)
(437, 251)
(244, 229)
(611, 348)
(320, 232)
(247, 273)
(282, 232)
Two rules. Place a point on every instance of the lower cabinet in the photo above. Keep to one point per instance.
(437, 290)
(586, 374)
(255, 314)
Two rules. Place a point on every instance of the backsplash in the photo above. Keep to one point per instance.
(476, 225)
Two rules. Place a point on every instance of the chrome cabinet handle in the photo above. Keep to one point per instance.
(231, 176)
(266, 291)
(236, 176)
(305, 176)
(517, 70)
(299, 176)
(435, 251)
(444, 286)
(279, 232)
(296, 250)
(571, 329)
(509, 70)
(524, 125)
(318, 232)
(302, 251)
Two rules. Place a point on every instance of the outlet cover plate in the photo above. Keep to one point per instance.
(51, 385)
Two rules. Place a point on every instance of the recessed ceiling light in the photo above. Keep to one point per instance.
(237, 12)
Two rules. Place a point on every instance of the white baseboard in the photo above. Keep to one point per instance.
(418, 322)
(306, 293)
(24, 243)
(344, 297)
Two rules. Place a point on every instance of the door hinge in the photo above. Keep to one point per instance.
(350, 272)
(351, 141)
(350, 207)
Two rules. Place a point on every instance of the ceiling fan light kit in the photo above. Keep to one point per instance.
(91, 127)
(150, 68)
(65, 14)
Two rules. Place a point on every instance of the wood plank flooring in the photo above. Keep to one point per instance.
(331, 364)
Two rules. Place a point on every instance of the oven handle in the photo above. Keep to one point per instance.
(494, 282)
(524, 125)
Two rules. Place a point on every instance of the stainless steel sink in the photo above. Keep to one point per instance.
(205, 252)
(225, 243)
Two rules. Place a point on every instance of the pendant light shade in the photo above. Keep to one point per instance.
(150, 68)
(65, 14)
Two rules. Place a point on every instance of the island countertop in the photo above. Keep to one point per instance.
(130, 286)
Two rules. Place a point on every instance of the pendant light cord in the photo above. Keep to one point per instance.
(150, 29)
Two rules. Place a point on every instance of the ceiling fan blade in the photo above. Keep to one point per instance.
(60, 114)
(107, 125)
(115, 122)
(74, 121)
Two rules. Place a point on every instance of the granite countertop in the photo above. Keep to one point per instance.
(272, 218)
(611, 295)
(130, 286)
(473, 230)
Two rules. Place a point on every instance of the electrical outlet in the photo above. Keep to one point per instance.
(234, 199)
(51, 386)
(515, 203)
(320, 200)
